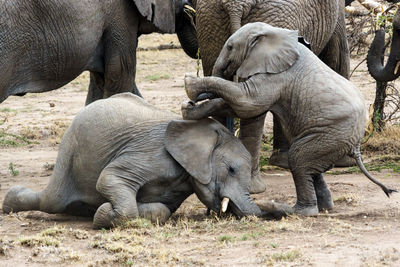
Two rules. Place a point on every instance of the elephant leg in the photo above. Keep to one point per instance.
(336, 53)
(324, 197)
(251, 131)
(279, 156)
(20, 198)
(309, 157)
(96, 87)
(155, 212)
(122, 199)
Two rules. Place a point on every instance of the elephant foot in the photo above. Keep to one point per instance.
(306, 210)
(155, 212)
(324, 196)
(280, 159)
(346, 161)
(105, 217)
(257, 185)
(20, 198)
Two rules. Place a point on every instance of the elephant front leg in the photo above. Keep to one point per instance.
(155, 212)
(251, 131)
(122, 204)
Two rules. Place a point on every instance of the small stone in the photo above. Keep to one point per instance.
(52, 105)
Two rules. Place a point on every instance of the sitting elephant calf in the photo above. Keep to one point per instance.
(122, 158)
(322, 114)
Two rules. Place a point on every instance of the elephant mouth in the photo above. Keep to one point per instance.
(229, 206)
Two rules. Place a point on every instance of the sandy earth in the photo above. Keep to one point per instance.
(362, 230)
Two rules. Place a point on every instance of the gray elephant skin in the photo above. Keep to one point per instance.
(391, 70)
(137, 160)
(322, 23)
(46, 44)
(322, 114)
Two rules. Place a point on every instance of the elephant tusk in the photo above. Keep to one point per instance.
(189, 8)
(224, 204)
(396, 69)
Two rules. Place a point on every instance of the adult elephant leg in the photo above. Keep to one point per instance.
(336, 53)
(324, 196)
(155, 212)
(281, 147)
(96, 87)
(251, 131)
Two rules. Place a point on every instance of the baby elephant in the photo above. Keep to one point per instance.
(322, 114)
(122, 158)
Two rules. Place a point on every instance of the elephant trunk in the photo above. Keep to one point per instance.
(375, 57)
(185, 28)
(244, 206)
(188, 39)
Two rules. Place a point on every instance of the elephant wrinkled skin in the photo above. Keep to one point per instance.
(46, 44)
(322, 115)
(322, 23)
(138, 160)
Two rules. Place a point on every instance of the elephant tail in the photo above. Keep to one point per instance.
(357, 156)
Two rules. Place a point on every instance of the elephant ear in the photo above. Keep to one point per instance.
(269, 50)
(191, 144)
(160, 12)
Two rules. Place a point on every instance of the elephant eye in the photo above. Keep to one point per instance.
(232, 170)
(229, 47)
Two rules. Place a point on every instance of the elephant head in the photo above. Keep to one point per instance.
(168, 17)
(257, 48)
(219, 164)
(376, 52)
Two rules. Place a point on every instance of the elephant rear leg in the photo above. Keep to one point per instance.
(20, 198)
(308, 159)
(324, 196)
(121, 195)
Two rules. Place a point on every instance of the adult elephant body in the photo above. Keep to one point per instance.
(46, 44)
(322, 23)
(141, 161)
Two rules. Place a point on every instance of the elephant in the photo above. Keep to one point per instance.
(321, 23)
(390, 71)
(322, 114)
(138, 160)
(46, 44)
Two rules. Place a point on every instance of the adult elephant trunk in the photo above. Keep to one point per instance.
(376, 52)
(185, 28)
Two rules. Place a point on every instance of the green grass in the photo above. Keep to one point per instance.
(13, 140)
(13, 170)
(225, 238)
(8, 110)
(156, 77)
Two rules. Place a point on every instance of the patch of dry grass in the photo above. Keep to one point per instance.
(383, 143)
(351, 199)
(48, 237)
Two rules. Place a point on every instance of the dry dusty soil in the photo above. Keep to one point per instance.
(362, 230)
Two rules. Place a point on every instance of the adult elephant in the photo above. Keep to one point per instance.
(322, 23)
(46, 44)
(390, 71)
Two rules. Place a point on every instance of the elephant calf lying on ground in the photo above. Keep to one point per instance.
(321, 113)
(122, 158)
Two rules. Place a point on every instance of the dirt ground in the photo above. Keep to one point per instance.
(362, 230)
